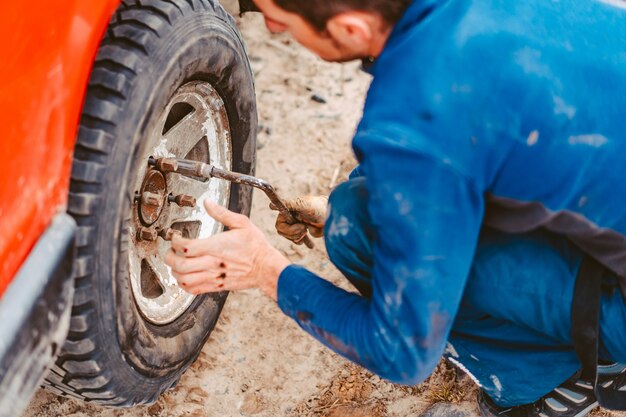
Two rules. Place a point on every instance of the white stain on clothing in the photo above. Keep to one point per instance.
(496, 383)
(533, 138)
(404, 206)
(339, 227)
(561, 107)
(475, 358)
(530, 60)
(464, 369)
(595, 140)
(615, 3)
(582, 201)
(432, 258)
(462, 88)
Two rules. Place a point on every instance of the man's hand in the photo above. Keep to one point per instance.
(310, 214)
(238, 259)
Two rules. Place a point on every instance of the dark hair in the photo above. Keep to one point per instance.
(318, 12)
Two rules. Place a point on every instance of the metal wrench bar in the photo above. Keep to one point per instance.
(199, 169)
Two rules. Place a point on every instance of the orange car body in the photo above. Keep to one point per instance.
(46, 55)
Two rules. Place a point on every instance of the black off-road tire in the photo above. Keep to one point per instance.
(112, 355)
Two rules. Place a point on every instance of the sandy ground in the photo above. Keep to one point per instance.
(258, 362)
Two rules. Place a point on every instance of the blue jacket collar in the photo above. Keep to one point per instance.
(414, 14)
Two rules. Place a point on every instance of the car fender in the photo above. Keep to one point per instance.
(46, 55)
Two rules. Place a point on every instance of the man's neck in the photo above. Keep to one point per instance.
(379, 41)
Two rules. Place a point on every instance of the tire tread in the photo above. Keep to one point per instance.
(80, 371)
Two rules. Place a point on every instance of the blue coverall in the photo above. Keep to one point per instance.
(492, 155)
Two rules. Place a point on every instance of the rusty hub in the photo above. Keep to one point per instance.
(153, 197)
(193, 125)
(147, 235)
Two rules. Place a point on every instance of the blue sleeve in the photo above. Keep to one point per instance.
(427, 218)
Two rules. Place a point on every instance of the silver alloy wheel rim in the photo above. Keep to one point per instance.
(194, 125)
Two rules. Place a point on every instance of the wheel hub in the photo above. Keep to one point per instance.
(193, 125)
(152, 197)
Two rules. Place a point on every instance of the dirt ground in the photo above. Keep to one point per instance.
(257, 361)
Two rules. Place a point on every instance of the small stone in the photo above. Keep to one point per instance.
(445, 410)
(318, 99)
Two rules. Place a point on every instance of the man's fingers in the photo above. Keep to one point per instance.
(307, 209)
(316, 231)
(194, 279)
(207, 264)
(171, 258)
(179, 244)
(228, 218)
(291, 231)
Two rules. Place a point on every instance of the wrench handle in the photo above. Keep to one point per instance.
(199, 169)
(209, 171)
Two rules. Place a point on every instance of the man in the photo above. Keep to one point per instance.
(488, 209)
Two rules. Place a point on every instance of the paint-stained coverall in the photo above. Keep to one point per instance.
(492, 155)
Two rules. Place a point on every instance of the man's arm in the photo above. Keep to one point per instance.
(427, 218)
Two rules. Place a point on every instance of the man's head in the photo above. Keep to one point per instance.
(336, 30)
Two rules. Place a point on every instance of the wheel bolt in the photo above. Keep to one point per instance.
(165, 164)
(168, 234)
(150, 199)
(145, 234)
(182, 200)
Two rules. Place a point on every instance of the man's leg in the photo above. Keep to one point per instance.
(513, 329)
(514, 362)
(512, 332)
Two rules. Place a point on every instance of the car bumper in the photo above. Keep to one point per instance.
(34, 315)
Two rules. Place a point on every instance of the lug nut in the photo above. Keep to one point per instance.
(166, 164)
(168, 234)
(182, 200)
(150, 199)
(145, 234)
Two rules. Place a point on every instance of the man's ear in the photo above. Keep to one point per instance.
(353, 30)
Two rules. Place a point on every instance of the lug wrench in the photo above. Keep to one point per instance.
(199, 169)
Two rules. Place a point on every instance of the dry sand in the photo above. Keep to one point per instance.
(258, 362)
